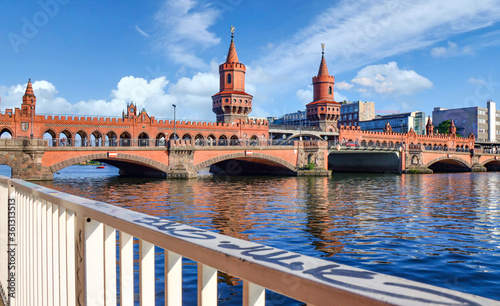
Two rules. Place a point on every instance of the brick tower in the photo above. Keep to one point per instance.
(323, 111)
(232, 102)
(429, 128)
(29, 101)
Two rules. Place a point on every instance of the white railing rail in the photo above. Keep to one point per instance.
(63, 251)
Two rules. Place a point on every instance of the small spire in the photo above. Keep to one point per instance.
(232, 56)
(29, 88)
(323, 69)
(429, 121)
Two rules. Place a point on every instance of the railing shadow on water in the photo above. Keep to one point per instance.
(63, 249)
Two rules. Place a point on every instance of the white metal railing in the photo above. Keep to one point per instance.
(63, 251)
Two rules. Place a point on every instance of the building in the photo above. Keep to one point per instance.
(353, 112)
(232, 103)
(297, 118)
(323, 111)
(400, 123)
(482, 122)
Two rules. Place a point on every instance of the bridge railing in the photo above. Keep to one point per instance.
(59, 249)
(294, 127)
(124, 142)
(334, 144)
(231, 142)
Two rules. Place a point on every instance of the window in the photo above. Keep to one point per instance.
(229, 79)
(355, 116)
(330, 90)
(350, 116)
(481, 120)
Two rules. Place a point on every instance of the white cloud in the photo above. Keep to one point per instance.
(343, 85)
(305, 95)
(140, 31)
(389, 79)
(183, 30)
(451, 50)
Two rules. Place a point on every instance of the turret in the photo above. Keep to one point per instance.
(453, 128)
(232, 102)
(429, 128)
(29, 101)
(323, 111)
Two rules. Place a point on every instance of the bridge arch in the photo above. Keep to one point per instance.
(119, 160)
(241, 156)
(492, 164)
(5, 131)
(448, 164)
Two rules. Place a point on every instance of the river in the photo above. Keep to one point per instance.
(441, 229)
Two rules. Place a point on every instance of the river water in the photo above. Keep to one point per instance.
(441, 229)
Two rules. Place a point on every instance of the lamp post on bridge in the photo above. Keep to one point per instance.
(31, 106)
(175, 135)
(300, 125)
(402, 137)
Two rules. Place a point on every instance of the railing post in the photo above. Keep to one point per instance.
(253, 295)
(94, 262)
(126, 269)
(110, 264)
(173, 279)
(147, 272)
(207, 285)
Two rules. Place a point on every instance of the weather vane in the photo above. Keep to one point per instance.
(323, 48)
(232, 30)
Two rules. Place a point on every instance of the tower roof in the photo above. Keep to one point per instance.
(323, 70)
(232, 56)
(429, 122)
(29, 89)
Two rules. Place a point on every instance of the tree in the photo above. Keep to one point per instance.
(444, 128)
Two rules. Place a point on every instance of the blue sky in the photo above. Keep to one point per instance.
(92, 57)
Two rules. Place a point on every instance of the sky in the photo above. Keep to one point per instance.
(93, 57)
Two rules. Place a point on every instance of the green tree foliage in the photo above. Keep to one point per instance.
(444, 128)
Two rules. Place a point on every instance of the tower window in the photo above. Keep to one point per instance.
(330, 90)
(229, 79)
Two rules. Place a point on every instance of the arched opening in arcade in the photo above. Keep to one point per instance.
(143, 140)
(161, 140)
(173, 136)
(211, 140)
(96, 139)
(233, 141)
(223, 140)
(254, 140)
(110, 140)
(449, 165)
(5, 134)
(199, 140)
(81, 139)
(65, 139)
(125, 139)
(186, 136)
(50, 137)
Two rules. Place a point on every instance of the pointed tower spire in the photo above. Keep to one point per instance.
(429, 128)
(232, 56)
(453, 128)
(323, 69)
(29, 97)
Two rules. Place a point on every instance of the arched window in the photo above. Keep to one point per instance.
(229, 79)
(330, 90)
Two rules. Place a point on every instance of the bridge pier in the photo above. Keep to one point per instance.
(181, 163)
(24, 156)
(478, 168)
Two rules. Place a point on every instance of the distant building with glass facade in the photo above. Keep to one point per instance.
(351, 113)
(483, 122)
(400, 123)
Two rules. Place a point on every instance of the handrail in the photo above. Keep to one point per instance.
(65, 253)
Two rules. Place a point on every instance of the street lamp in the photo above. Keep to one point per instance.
(402, 139)
(300, 124)
(31, 105)
(175, 135)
